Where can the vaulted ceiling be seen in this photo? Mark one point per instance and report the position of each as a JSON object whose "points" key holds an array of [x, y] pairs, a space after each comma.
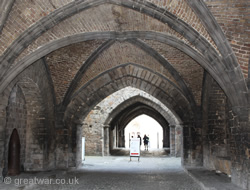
{"points": [[168, 44]]}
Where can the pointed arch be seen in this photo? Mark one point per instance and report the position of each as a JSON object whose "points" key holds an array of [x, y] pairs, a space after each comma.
{"points": [[224, 68]]}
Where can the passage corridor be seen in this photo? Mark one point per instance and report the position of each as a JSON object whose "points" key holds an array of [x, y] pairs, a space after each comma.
{"points": [[115, 173]]}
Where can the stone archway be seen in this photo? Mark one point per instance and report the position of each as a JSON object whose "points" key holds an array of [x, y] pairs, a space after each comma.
{"points": [[16, 120], [126, 115], [25, 112], [14, 154], [97, 122], [106, 84]]}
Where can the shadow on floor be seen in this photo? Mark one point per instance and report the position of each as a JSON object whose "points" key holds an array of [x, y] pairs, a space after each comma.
{"points": [[210, 179]]}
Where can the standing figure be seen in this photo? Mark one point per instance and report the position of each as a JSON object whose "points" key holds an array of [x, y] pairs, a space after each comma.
{"points": [[145, 141], [140, 140]]}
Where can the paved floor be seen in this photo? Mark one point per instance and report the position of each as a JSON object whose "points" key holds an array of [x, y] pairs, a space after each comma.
{"points": [[211, 180], [111, 173], [119, 173]]}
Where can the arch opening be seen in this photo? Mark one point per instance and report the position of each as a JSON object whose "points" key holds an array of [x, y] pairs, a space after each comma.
{"points": [[16, 123], [118, 136], [145, 125], [25, 113], [98, 126], [14, 154]]}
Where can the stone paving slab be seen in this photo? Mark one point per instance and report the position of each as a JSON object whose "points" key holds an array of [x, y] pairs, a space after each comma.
{"points": [[210, 180]]}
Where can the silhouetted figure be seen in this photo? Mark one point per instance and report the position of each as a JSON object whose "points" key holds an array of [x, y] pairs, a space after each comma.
{"points": [[140, 139], [4, 173], [145, 141]]}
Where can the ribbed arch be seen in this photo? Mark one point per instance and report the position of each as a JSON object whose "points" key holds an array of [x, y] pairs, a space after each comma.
{"points": [[226, 69], [120, 77]]}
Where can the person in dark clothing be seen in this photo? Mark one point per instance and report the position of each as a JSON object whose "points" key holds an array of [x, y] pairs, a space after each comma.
{"points": [[145, 141], [140, 139]]}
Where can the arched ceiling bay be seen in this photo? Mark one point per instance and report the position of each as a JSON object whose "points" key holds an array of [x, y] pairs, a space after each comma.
{"points": [[123, 76], [65, 63], [135, 110], [127, 97], [46, 23], [24, 14], [120, 52], [106, 17]]}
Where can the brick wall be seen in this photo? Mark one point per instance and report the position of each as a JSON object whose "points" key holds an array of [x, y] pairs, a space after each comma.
{"points": [[233, 17], [122, 53], [65, 63], [225, 137], [25, 13], [181, 9], [188, 68], [216, 131]]}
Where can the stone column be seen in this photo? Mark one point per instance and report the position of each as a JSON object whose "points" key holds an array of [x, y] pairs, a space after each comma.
{"points": [[172, 140], [79, 145], [2, 145], [114, 132], [116, 136], [166, 137], [123, 138], [178, 140], [106, 140], [119, 138]]}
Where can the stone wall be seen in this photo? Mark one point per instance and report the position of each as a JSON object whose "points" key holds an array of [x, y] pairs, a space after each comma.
{"points": [[225, 136], [16, 119], [38, 126], [239, 149], [216, 131]]}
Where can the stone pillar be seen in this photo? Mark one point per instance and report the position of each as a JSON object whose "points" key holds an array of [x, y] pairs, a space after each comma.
{"points": [[178, 140], [187, 146], [3, 161], [116, 137], [172, 140], [114, 132], [123, 138], [111, 139], [119, 138], [166, 143], [79, 145], [106, 140]]}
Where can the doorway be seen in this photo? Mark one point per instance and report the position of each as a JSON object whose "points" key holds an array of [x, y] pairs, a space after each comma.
{"points": [[14, 154]]}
